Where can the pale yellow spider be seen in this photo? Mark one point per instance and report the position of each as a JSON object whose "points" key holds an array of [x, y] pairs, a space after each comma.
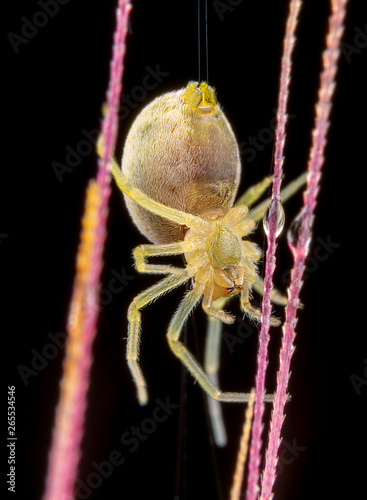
{"points": [[180, 174]]}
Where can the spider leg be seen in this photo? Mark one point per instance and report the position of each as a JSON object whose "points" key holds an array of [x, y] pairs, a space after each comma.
{"points": [[211, 366], [253, 193], [171, 214], [252, 311], [275, 295], [180, 350], [212, 359], [141, 252], [134, 317], [257, 213], [213, 311]]}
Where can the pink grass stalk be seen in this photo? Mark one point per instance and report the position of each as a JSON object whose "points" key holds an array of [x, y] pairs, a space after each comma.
{"points": [[302, 238], [288, 45], [69, 422], [242, 452]]}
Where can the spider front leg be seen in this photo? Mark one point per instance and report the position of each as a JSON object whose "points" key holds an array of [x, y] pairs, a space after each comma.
{"points": [[134, 317], [141, 252], [254, 192], [275, 295], [213, 311], [258, 212], [252, 311], [190, 300]]}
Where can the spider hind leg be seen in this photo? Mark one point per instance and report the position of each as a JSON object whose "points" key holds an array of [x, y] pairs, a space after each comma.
{"points": [[134, 317], [188, 303]]}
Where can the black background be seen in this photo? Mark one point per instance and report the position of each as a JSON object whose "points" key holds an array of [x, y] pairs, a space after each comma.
{"points": [[56, 86]]}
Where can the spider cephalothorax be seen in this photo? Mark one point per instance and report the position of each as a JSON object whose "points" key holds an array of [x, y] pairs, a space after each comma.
{"points": [[180, 173], [223, 263]]}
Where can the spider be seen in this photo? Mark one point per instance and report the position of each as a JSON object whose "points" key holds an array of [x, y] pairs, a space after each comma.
{"points": [[180, 173]]}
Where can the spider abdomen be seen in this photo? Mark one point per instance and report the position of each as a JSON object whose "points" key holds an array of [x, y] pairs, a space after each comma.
{"points": [[181, 151]]}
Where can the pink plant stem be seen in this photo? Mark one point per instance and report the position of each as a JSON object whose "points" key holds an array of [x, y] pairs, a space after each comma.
{"points": [[301, 243], [288, 45], [69, 422]]}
